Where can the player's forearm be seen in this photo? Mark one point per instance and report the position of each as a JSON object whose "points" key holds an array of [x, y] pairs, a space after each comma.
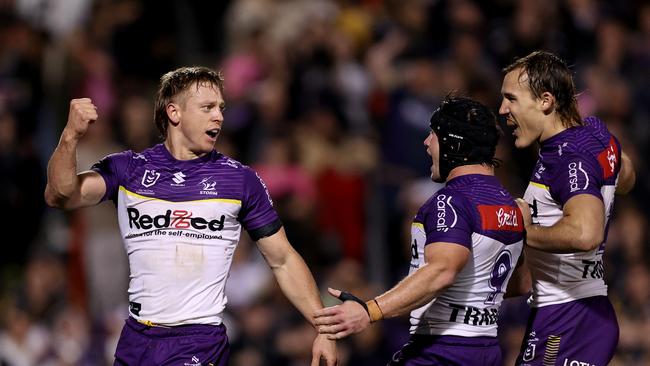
{"points": [[563, 237], [626, 177], [298, 285], [62, 181], [416, 290]]}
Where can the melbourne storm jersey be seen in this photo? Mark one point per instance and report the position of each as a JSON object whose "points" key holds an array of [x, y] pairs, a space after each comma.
{"points": [[180, 222], [474, 211], [579, 160]]}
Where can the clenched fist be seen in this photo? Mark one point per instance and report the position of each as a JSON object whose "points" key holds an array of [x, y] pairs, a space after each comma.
{"points": [[82, 113]]}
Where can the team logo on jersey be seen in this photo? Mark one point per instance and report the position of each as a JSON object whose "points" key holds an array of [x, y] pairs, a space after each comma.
{"points": [[209, 186], [559, 148], [150, 178], [574, 169], [443, 202], [179, 179]]}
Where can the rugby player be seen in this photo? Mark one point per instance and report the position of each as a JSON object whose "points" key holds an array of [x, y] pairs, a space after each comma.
{"points": [[181, 206], [465, 241], [567, 208]]}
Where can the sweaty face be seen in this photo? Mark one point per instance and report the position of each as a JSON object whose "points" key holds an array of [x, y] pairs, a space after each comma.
{"points": [[522, 110], [200, 118], [433, 149]]}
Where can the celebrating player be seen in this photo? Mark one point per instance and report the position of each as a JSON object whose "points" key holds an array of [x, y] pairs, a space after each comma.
{"points": [[570, 195], [181, 206], [466, 242]]}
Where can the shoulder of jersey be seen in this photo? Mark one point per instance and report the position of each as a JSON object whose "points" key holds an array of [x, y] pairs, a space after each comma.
{"points": [[580, 140], [444, 194], [595, 129]]}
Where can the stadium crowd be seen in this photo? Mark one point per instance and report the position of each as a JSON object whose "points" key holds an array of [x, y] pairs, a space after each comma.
{"points": [[330, 102]]}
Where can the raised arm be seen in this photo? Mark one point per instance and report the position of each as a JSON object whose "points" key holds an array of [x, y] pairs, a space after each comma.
{"points": [[627, 175], [65, 188], [298, 285], [443, 262]]}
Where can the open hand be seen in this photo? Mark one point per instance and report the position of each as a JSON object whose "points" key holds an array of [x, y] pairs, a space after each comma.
{"points": [[339, 321]]}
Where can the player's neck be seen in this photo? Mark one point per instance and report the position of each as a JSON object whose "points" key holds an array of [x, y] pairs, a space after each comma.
{"points": [[470, 169], [179, 150], [552, 126]]}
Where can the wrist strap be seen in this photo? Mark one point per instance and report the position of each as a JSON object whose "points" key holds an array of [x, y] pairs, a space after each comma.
{"points": [[346, 296], [374, 311]]}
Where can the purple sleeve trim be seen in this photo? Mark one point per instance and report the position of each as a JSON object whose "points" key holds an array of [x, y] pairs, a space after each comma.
{"points": [[112, 168]]}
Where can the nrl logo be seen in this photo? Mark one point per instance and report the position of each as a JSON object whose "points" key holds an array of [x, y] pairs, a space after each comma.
{"points": [[150, 178]]}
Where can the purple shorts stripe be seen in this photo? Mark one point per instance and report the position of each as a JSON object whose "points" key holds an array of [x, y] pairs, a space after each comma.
{"points": [[581, 332], [186, 345], [426, 350]]}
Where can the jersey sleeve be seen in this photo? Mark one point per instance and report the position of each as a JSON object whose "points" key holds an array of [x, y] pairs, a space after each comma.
{"points": [[112, 168], [447, 219], [257, 215], [576, 174]]}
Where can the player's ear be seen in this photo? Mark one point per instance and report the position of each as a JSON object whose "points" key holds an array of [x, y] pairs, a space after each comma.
{"points": [[547, 102], [173, 111]]}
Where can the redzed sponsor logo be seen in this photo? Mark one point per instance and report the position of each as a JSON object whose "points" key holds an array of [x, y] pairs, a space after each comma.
{"points": [[503, 218], [608, 159], [178, 219]]}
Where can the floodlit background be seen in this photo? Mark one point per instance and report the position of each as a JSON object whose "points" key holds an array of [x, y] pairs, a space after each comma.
{"points": [[330, 102]]}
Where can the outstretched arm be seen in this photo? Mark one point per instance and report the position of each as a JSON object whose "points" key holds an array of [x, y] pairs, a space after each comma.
{"points": [[443, 262], [297, 283], [65, 188]]}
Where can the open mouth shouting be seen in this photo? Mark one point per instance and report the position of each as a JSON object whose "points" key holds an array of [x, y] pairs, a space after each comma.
{"points": [[213, 133], [510, 122]]}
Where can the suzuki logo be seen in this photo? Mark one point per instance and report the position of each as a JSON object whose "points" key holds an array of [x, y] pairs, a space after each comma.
{"points": [[179, 178], [149, 178]]}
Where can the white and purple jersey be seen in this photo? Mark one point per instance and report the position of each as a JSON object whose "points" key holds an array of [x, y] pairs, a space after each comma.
{"points": [[579, 160], [180, 222], [474, 211]]}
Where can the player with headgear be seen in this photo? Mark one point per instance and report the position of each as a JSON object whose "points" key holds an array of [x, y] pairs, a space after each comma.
{"points": [[466, 241]]}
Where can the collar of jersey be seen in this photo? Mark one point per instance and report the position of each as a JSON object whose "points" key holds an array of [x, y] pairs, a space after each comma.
{"points": [[168, 157], [465, 178]]}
